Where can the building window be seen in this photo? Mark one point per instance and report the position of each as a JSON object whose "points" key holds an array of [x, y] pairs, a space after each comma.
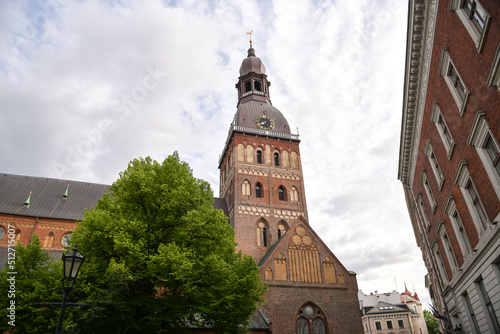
{"points": [[294, 194], [245, 188], [248, 86], [378, 325], [2, 232], [481, 137], [443, 130], [455, 83], [259, 156], [258, 86], [458, 226], [282, 228], [494, 76], [469, 191], [470, 312], [450, 254], [475, 19], [389, 324], [276, 159], [258, 190], [439, 260], [429, 152], [428, 191], [19, 234], [66, 239], [48, 242], [281, 193], [311, 320], [401, 324], [425, 217], [491, 316], [262, 234]]}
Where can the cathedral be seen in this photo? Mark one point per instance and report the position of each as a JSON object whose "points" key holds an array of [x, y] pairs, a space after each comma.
{"points": [[262, 193]]}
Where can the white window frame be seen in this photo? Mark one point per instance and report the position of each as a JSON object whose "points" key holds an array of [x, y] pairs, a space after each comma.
{"points": [[464, 180], [438, 119], [478, 137], [420, 204], [494, 76], [440, 263], [438, 173], [478, 36], [445, 65], [428, 191], [450, 254], [458, 226]]}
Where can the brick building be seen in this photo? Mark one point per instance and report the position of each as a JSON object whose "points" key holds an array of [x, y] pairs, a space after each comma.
{"points": [[261, 191], [449, 155]]}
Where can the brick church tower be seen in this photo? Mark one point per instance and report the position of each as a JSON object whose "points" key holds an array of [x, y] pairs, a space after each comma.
{"points": [[261, 179]]}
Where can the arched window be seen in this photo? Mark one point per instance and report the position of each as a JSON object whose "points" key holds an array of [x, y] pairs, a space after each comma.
{"points": [[258, 190], [294, 194], [259, 156], [18, 235], [48, 242], [258, 86], [262, 233], [282, 228], [311, 320], [276, 159], [281, 193], [245, 188], [248, 86], [302, 326], [2, 232]]}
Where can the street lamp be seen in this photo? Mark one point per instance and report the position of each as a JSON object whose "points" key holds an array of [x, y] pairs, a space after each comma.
{"points": [[71, 266]]}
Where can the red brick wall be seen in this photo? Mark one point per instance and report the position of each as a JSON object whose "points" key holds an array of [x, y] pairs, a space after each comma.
{"points": [[39, 226], [473, 68]]}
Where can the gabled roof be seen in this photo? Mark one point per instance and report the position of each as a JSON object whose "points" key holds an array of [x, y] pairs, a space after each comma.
{"points": [[384, 307], [46, 199]]}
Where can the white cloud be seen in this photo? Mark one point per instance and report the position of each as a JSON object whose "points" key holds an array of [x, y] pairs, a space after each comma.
{"points": [[80, 99]]}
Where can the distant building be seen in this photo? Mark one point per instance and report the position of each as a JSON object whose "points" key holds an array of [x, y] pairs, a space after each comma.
{"points": [[449, 160], [392, 312]]}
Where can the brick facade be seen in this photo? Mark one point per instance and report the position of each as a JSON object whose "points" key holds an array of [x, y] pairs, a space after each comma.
{"points": [[443, 40]]}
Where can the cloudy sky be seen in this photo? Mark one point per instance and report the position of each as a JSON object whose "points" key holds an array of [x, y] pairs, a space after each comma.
{"points": [[86, 86]]}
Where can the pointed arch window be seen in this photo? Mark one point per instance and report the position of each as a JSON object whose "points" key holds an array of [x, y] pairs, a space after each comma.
{"points": [[294, 194], [259, 156], [19, 234], [311, 320], [276, 159], [258, 190], [48, 242], [245, 188], [262, 233], [248, 86], [282, 193], [282, 228]]}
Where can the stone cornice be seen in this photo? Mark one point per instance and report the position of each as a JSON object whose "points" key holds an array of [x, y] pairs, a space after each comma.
{"points": [[420, 37]]}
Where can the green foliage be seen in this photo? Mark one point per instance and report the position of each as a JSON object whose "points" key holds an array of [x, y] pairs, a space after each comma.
{"points": [[37, 280], [431, 322], [159, 258]]}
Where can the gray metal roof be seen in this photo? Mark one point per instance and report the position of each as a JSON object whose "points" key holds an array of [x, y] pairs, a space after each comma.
{"points": [[384, 307], [249, 111], [46, 198]]}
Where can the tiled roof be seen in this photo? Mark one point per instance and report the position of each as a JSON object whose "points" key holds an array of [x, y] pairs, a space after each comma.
{"points": [[46, 198]]}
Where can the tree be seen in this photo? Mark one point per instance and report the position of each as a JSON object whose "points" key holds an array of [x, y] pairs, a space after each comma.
{"points": [[36, 280], [160, 259], [431, 322]]}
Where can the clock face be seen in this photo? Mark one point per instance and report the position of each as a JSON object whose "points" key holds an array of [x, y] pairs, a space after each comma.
{"points": [[264, 122]]}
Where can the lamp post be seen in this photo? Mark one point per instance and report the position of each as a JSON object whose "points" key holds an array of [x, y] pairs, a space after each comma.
{"points": [[71, 266]]}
